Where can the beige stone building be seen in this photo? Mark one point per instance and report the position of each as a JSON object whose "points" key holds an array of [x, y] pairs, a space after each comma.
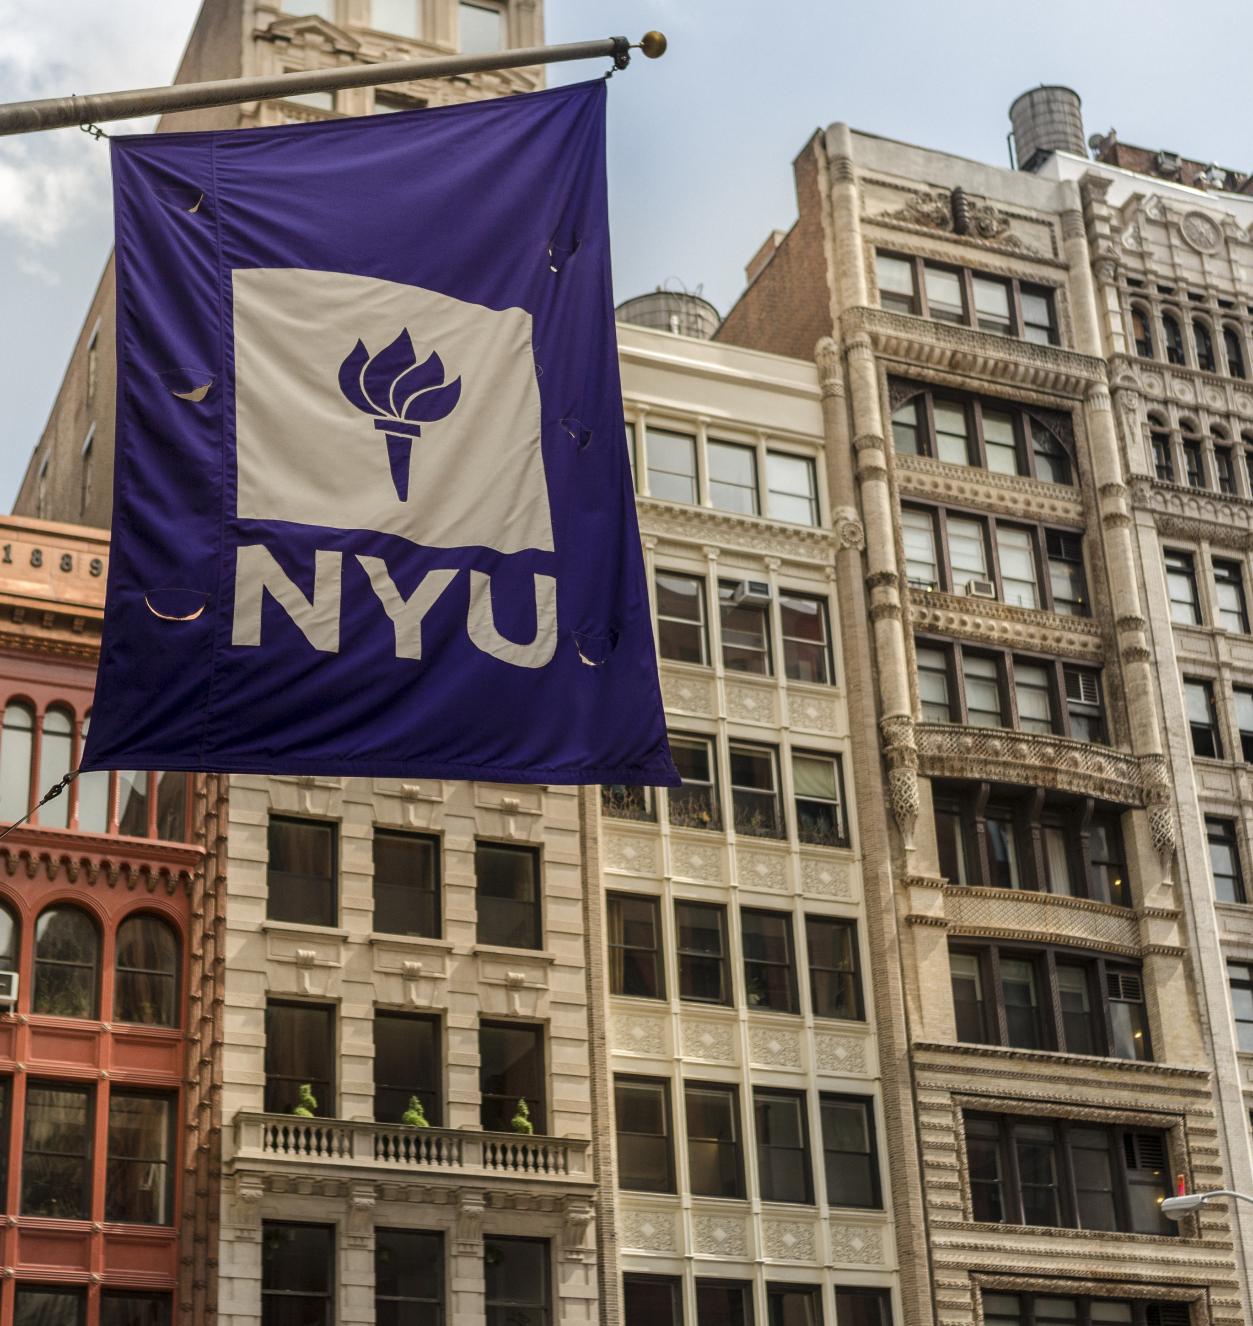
{"points": [[1016, 780]]}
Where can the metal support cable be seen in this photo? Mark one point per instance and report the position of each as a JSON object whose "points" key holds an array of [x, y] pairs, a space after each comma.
{"points": [[22, 117]]}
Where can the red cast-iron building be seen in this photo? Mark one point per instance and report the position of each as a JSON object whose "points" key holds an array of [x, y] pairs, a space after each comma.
{"points": [[108, 1134]]}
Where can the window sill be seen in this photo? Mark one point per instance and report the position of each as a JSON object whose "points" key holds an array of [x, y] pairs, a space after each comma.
{"points": [[409, 941], [302, 928], [503, 951], [1053, 1057], [1068, 1231]]}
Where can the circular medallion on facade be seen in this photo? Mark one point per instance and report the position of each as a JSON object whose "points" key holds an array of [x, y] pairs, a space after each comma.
{"points": [[1182, 391], [1199, 231], [1244, 404], [1214, 398]]}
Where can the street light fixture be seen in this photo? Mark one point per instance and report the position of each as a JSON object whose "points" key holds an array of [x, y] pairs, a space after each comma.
{"points": [[1175, 1208]]}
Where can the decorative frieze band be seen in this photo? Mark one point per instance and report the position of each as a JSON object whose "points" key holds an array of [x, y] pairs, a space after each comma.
{"points": [[986, 619]]}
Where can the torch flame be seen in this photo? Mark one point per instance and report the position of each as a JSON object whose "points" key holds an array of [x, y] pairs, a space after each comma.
{"points": [[394, 385]]}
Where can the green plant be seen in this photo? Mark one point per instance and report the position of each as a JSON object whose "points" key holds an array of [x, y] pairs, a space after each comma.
{"points": [[306, 1106], [415, 1115], [521, 1121]]}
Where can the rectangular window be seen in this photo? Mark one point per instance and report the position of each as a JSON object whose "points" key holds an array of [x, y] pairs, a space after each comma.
{"points": [[702, 948], [745, 632], [1240, 976], [806, 639], [1033, 690], [952, 432], [406, 884], [129, 1307], [517, 1275], [408, 1277], [6, 1100], [782, 1147], [934, 691], [511, 1071], [1003, 872], [681, 631], [301, 875], [1193, 464], [403, 17], [671, 465], [858, 1305], [139, 1184], [918, 533], [950, 837], [407, 1061], [793, 1305], [1107, 862], [49, 1305], [967, 552], [1052, 462], [848, 1146], [695, 804], [1224, 470], [909, 428], [1233, 613], [732, 477], [628, 801], [299, 1055], [1021, 998], [1224, 860], [634, 930], [1084, 715], [769, 963], [714, 1154], [834, 981], [984, 705], [1000, 442], [1244, 721], [755, 792], [1202, 718], [793, 488], [482, 28], [87, 473], [966, 974], [508, 895], [656, 1299], [1129, 1023], [818, 785], [641, 1107], [1163, 465], [992, 311], [1039, 323], [1067, 583], [724, 1303], [945, 302], [1074, 994], [1185, 605], [297, 1274], [895, 279], [1015, 552], [56, 1152]]}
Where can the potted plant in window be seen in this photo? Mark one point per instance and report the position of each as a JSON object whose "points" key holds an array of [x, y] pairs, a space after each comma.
{"points": [[306, 1106], [521, 1121], [415, 1115]]}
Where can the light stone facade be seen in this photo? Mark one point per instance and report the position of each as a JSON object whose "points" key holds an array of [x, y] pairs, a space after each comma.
{"points": [[714, 392], [860, 195]]}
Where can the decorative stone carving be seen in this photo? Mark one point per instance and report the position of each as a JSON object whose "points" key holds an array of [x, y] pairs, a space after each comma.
{"points": [[827, 879], [751, 704], [471, 1208], [761, 870], [687, 694], [897, 731], [696, 861], [924, 476], [578, 1213], [714, 1041], [815, 713], [1003, 624], [856, 1244], [788, 1240], [827, 358], [648, 1231], [631, 853], [958, 213], [361, 1215], [842, 1055], [771, 1047], [1046, 917], [700, 525], [636, 1033], [1200, 232], [721, 1236], [849, 531]]}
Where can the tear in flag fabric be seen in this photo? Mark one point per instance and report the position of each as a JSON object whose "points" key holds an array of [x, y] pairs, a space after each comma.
{"points": [[373, 512]]}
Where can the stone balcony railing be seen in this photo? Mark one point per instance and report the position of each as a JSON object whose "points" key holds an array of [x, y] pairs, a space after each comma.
{"points": [[396, 1148], [1002, 755]]}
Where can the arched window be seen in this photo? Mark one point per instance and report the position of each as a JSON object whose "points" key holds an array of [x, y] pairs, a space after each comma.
{"points": [[1174, 339], [1233, 344], [93, 796], [16, 739], [1224, 460], [1159, 437], [1141, 331], [146, 988], [8, 940], [67, 959], [1204, 343], [1193, 458], [56, 752]]}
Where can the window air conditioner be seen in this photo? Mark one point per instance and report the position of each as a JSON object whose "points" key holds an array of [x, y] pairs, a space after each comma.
{"points": [[981, 589], [8, 987], [752, 594]]}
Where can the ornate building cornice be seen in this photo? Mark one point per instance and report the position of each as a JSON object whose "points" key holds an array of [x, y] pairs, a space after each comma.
{"points": [[700, 525], [923, 476], [1195, 514], [1000, 623]]}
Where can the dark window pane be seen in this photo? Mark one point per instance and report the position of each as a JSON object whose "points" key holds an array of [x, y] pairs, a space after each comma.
{"points": [[172, 807], [406, 884], [987, 1174], [745, 633], [1036, 1148], [713, 1140], [299, 1051], [848, 1145], [1094, 1178], [694, 805], [125, 1307], [511, 1069], [834, 984], [516, 1271], [645, 1150], [754, 792], [653, 1299], [634, 930], [1022, 1003], [968, 1004], [782, 1147], [806, 639], [817, 782], [1185, 606], [1078, 1025], [56, 1152], [301, 875], [724, 1303], [297, 1274], [793, 1305], [508, 895], [39, 1305], [67, 953], [139, 1186], [146, 987], [702, 948], [681, 618], [408, 1277], [406, 1066], [769, 964], [858, 1306], [1224, 857]]}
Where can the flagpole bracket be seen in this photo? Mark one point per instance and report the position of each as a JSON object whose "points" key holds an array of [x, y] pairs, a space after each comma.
{"points": [[621, 52]]}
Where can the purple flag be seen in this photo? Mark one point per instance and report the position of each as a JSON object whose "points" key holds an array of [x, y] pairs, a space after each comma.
{"points": [[373, 511]]}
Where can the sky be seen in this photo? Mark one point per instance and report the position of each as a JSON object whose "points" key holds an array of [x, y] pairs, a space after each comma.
{"points": [[700, 143]]}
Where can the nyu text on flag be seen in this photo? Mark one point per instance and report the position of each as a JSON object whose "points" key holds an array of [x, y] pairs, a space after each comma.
{"points": [[373, 512]]}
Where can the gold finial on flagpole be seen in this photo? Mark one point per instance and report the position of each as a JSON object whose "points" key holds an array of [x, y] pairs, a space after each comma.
{"points": [[653, 44]]}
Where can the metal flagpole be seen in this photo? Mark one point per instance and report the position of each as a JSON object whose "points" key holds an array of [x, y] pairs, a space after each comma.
{"points": [[22, 117]]}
